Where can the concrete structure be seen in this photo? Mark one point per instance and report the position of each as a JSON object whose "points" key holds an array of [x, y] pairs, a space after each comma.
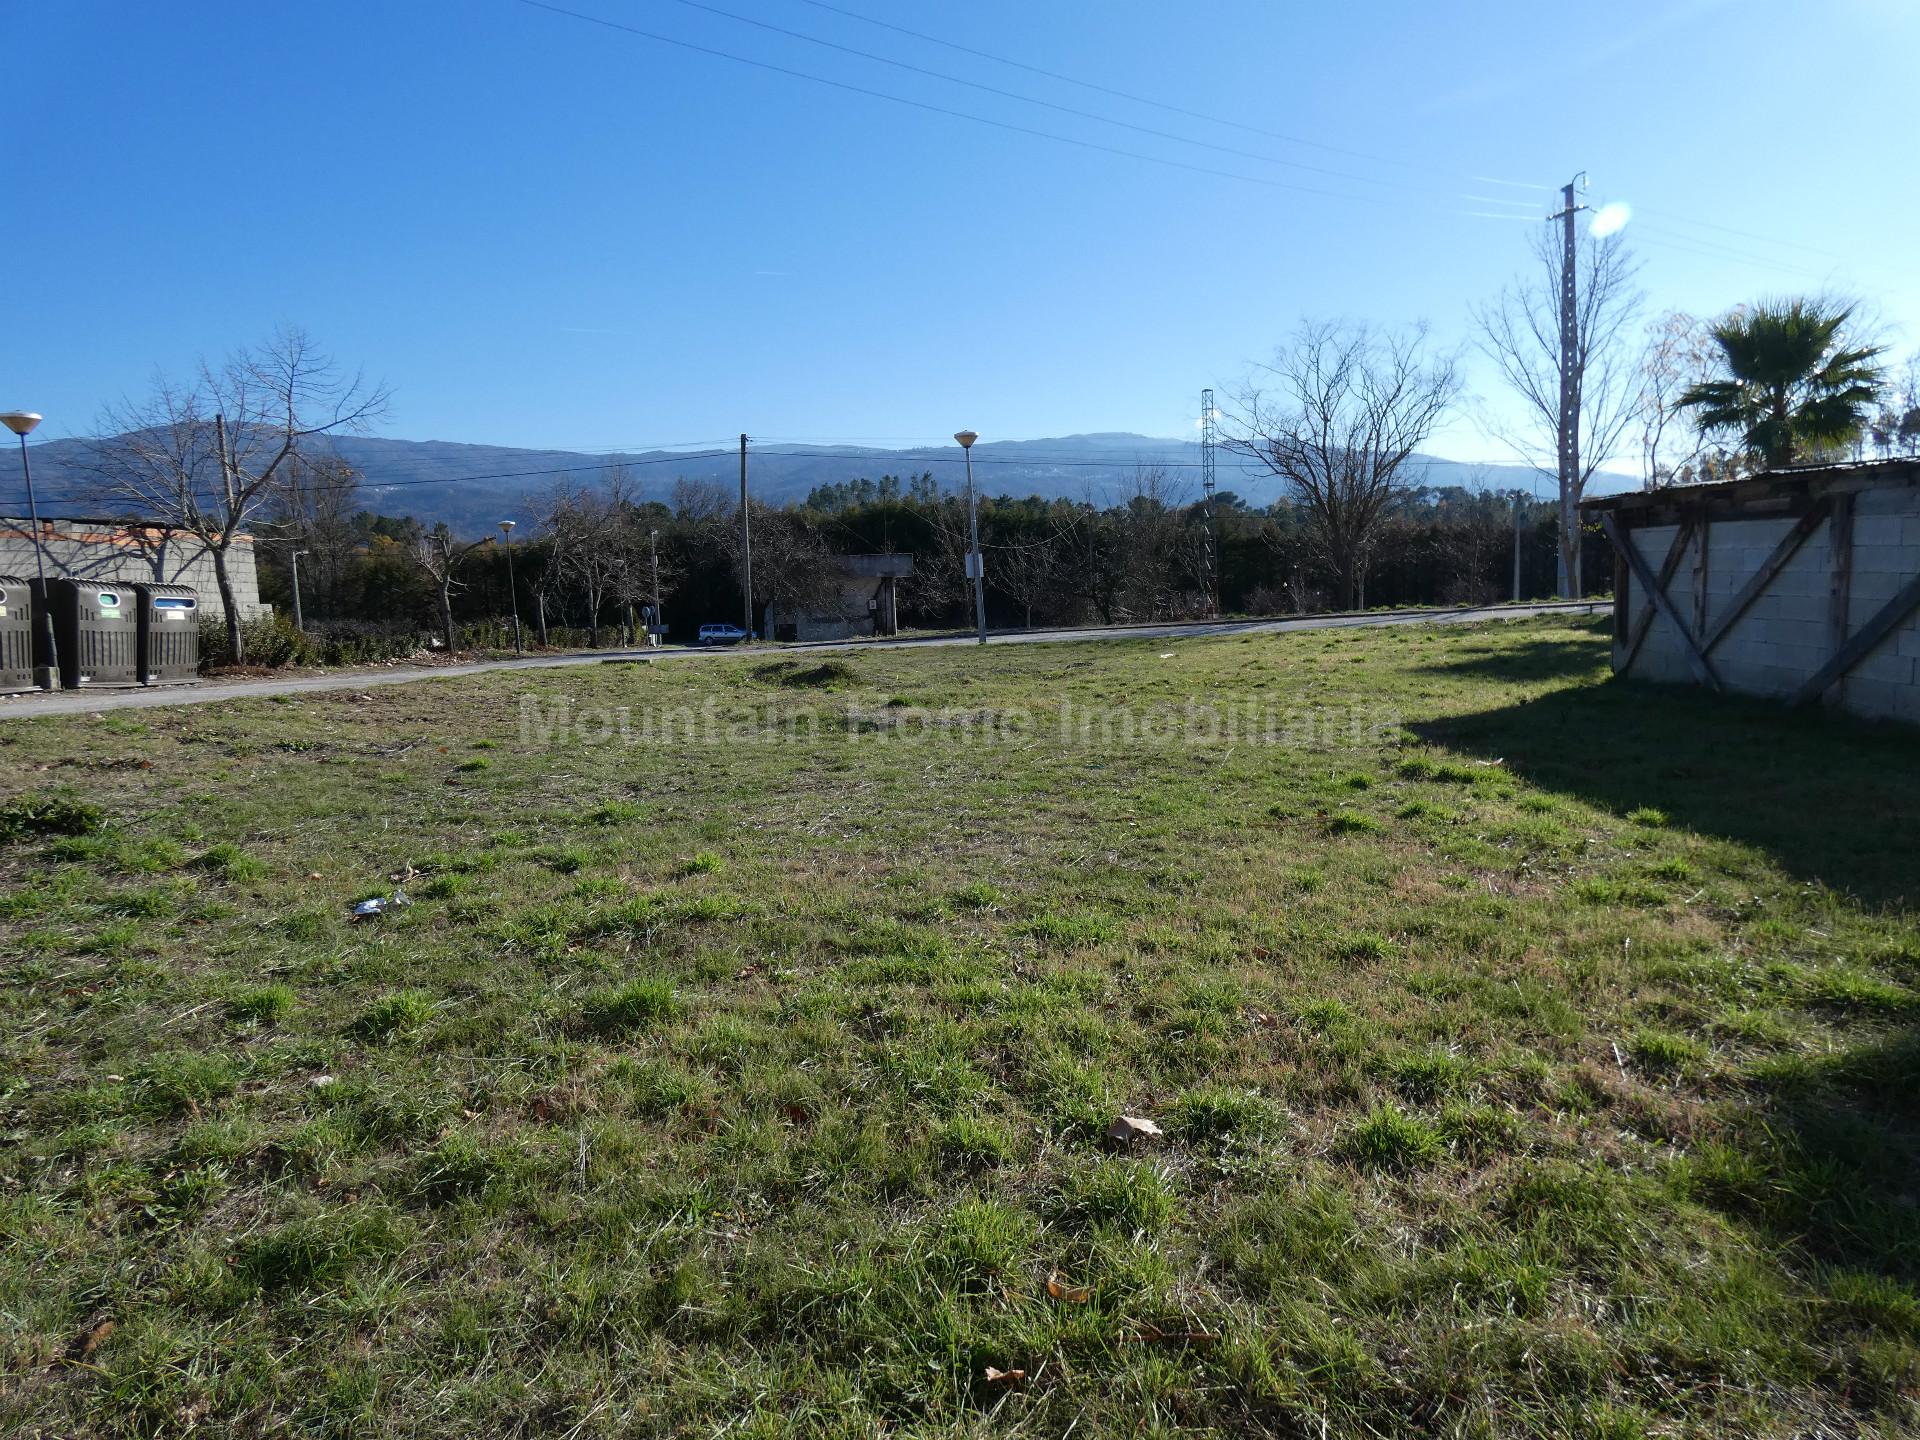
{"points": [[116, 550], [1803, 584], [861, 603]]}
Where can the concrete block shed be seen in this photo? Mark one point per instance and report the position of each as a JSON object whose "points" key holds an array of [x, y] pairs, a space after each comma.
{"points": [[1801, 584]]}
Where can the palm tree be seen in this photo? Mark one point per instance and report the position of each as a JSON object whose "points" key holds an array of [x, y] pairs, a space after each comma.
{"points": [[1792, 382]]}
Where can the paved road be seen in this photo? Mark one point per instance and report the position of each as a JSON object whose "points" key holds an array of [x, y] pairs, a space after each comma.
{"points": [[86, 702]]}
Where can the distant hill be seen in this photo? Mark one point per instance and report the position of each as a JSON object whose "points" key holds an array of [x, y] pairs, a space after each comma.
{"points": [[472, 487]]}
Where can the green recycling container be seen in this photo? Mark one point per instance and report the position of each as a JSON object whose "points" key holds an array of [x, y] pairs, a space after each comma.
{"points": [[93, 630], [167, 634], [16, 636]]}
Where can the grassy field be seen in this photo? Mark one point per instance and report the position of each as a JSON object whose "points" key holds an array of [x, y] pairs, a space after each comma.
{"points": [[1534, 1054]]}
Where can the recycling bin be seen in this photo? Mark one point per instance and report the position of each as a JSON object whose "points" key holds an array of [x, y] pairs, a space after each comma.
{"points": [[166, 634], [16, 636], [93, 631]]}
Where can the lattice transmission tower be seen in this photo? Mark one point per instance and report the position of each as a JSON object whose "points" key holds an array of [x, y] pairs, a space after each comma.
{"points": [[1212, 563]]}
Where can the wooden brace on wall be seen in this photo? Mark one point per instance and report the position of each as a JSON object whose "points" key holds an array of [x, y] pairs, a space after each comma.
{"points": [[1848, 650]]}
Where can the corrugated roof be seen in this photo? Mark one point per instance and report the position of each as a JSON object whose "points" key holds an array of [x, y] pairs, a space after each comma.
{"points": [[1787, 483]]}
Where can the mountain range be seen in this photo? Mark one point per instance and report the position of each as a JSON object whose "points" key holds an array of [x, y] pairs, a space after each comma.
{"points": [[472, 487]]}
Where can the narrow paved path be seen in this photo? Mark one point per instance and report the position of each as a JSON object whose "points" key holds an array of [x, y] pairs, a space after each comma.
{"points": [[86, 702]]}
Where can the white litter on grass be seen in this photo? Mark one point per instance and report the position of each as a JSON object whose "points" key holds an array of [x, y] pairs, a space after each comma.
{"points": [[379, 905], [1133, 1127]]}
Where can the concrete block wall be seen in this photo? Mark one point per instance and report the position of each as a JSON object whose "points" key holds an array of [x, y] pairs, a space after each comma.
{"points": [[1784, 636], [1886, 556], [100, 551]]}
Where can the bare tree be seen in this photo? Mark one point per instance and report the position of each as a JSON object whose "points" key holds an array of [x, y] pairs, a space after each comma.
{"points": [[1155, 558], [440, 555], [1336, 417], [1520, 333], [1028, 575], [702, 502], [1896, 426], [793, 568], [940, 579], [208, 458], [1679, 355], [313, 513], [596, 541]]}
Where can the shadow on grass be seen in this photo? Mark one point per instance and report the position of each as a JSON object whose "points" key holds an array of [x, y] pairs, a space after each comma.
{"points": [[1832, 799], [1828, 1158], [1541, 658], [1824, 1154], [1820, 1153]]}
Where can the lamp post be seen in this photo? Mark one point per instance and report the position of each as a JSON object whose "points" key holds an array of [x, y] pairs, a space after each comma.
{"points": [[299, 619], [974, 566], [513, 597], [47, 677]]}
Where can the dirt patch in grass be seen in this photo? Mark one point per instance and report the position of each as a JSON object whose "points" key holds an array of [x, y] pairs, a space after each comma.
{"points": [[807, 675]]}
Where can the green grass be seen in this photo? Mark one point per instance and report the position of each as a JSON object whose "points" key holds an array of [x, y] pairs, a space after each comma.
{"points": [[1533, 1055]]}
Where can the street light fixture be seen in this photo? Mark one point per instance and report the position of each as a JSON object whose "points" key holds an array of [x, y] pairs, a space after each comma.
{"points": [[974, 566], [47, 677], [513, 597], [299, 619]]}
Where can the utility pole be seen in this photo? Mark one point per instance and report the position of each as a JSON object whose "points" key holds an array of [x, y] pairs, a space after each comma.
{"points": [[746, 542], [1570, 379], [299, 620], [1206, 489], [513, 593], [653, 549], [1518, 502]]}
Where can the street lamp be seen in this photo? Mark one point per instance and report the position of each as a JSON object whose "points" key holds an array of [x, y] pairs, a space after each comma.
{"points": [[47, 677], [513, 598], [974, 566], [299, 620]]}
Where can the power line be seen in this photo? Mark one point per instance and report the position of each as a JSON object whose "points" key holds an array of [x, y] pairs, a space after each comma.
{"points": [[1742, 234], [1031, 100], [556, 470], [948, 111], [1096, 146], [1254, 129], [67, 493], [1050, 462], [1126, 95], [1714, 250]]}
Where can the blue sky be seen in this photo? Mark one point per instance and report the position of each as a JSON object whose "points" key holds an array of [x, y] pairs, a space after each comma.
{"points": [[541, 231]]}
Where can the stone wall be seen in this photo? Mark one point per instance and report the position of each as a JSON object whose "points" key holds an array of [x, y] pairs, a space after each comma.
{"points": [[1786, 635], [101, 550]]}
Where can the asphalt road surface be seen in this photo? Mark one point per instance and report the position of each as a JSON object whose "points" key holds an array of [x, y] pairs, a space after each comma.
{"points": [[86, 702]]}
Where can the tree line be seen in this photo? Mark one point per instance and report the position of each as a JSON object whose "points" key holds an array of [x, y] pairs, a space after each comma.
{"points": [[585, 574], [1337, 418]]}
